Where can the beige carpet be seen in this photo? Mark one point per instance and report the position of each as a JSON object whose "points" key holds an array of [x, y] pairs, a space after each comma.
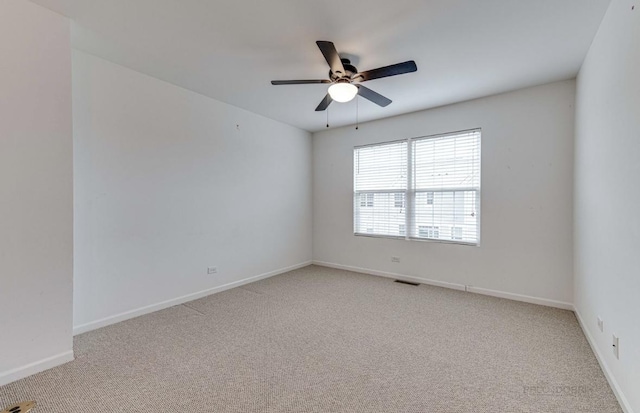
{"points": [[323, 340]]}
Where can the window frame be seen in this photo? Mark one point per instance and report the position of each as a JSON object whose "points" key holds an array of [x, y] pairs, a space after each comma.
{"points": [[410, 192]]}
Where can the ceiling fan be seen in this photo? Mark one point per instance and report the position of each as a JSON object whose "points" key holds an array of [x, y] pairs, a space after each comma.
{"points": [[345, 79]]}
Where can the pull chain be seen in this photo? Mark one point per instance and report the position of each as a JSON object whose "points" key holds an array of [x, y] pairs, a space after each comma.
{"points": [[357, 124], [327, 117]]}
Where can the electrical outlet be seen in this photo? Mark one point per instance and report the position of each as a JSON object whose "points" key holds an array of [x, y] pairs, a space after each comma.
{"points": [[616, 346], [395, 259], [212, 270], [600, 324]]}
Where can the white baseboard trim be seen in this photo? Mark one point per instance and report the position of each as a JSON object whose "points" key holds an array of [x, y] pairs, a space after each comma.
{"points": [[454, 286], [520, 297], [403, 277], [94, 325], [613, 383], [10, 376]]}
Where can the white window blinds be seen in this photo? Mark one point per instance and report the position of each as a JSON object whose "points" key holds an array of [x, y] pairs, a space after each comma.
{"points": [[422, 188], [381, 186]]}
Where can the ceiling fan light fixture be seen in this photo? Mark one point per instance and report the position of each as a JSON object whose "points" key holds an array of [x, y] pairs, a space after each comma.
{"points": [[343, 92], [341, 75]]}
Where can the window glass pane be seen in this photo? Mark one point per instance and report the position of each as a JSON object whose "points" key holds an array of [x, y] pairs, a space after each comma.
{"points": [[447, 162], [399, 200], [446, 180], [428, 231], [381, 216], [381, 167], [454, 213], [380, 182]]}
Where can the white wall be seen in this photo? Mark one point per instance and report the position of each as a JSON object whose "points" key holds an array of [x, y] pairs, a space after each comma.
{"points": [[527, 166], [36, 215], [607, 196], [166, 185]]}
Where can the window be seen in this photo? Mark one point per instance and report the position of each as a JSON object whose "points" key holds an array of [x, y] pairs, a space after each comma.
{"points": [[424, 188], [380, 174]]}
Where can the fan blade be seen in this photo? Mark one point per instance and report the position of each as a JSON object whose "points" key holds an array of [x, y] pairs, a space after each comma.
{"points": [[299, 82], [331, 55], [375, 97], [393, 70], [324, 104]]}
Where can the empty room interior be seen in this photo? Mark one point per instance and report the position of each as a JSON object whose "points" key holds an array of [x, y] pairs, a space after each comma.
{"points": [[294, 206]]}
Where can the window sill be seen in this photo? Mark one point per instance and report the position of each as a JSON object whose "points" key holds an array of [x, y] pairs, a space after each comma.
{"points": [[430, 240]]}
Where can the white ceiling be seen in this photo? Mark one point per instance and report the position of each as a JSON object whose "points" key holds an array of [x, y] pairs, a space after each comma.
{"points": [[230, 49]]}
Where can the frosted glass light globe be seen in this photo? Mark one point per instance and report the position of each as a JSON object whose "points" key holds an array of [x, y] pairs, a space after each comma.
{"points": [[342, 92]]}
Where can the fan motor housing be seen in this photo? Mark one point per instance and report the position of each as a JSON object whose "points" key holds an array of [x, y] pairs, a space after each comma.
{"points": [[349, 69]]}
